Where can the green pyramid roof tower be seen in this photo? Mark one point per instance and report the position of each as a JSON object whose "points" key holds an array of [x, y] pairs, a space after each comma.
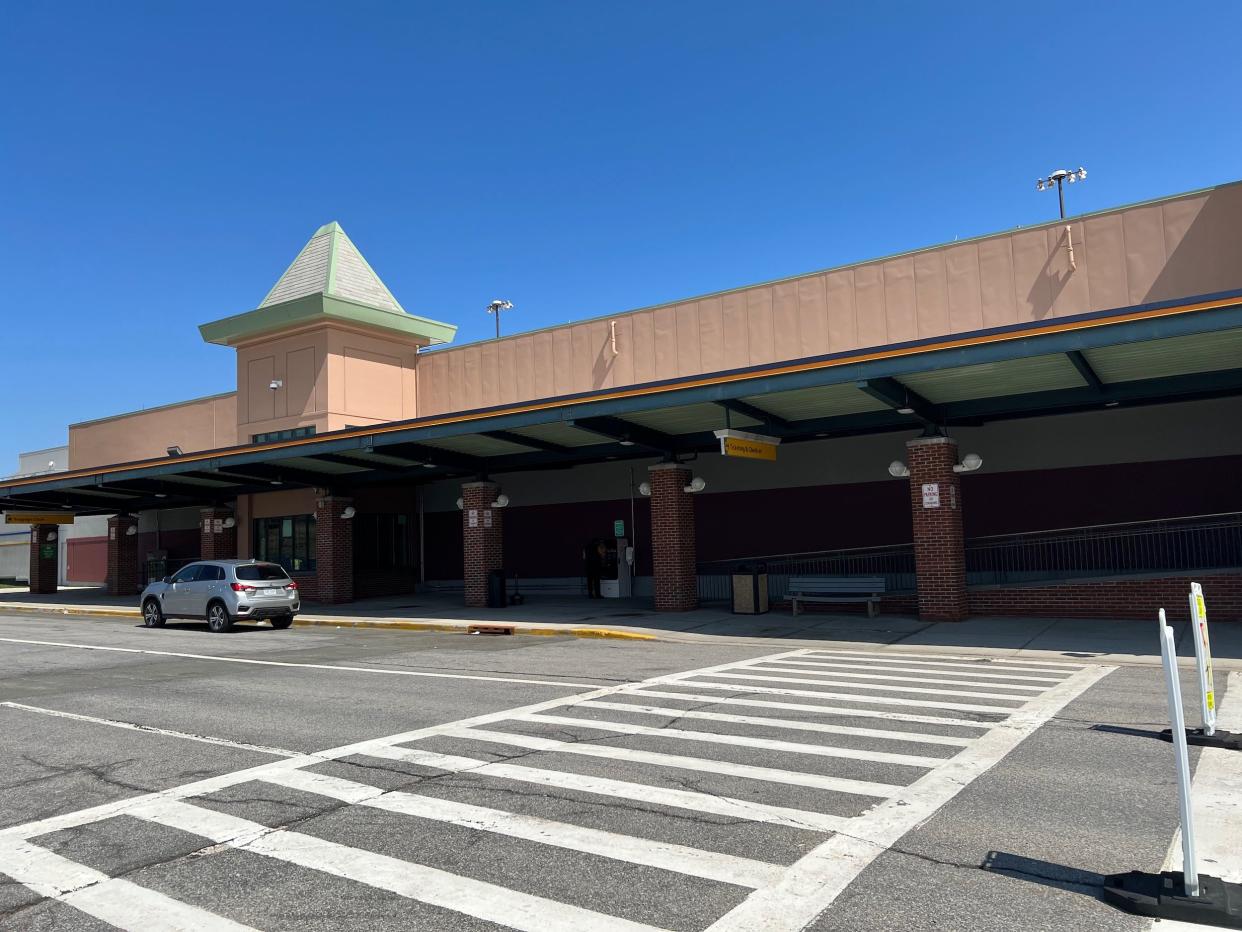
{"points": [[328, 279]]}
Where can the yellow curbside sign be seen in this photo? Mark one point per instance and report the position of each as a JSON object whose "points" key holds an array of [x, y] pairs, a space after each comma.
{"points": [[746, 445], [38, 517]]}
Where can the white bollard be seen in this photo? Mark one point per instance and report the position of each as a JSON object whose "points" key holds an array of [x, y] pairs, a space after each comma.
{"points": [[1203, 658], [1168, 658]]}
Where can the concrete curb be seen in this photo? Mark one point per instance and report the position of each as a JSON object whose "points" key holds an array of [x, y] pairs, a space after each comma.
{"points": [[452, 627]]}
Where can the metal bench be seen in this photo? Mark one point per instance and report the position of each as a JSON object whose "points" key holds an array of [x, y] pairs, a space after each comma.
{"points": [[866, 589]]}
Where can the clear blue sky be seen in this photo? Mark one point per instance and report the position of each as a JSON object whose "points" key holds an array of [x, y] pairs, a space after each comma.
{"points": [[161, 163]]}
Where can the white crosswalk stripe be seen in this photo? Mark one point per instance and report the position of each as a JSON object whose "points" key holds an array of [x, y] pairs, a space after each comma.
{"points": [[711, 865], [775, 718]]}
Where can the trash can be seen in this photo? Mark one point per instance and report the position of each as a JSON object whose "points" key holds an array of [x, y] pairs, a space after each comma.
{"points": [[496, 589], [750, 590]]}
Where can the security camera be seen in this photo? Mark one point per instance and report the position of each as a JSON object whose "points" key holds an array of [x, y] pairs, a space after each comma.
{"points": [[275, 384]]}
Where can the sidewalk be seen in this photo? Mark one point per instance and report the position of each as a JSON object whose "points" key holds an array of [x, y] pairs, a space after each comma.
{"points": [[634, 619]]}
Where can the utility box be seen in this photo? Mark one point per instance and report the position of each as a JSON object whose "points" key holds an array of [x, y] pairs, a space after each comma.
{"points": [[750, 590], [616, 574], [496, 597]]}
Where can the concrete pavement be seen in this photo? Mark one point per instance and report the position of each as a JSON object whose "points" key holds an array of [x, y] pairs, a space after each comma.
{"points": [[315, 779]]}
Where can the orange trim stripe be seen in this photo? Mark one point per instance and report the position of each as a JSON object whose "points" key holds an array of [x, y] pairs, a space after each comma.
{"points": [[639, 392]]}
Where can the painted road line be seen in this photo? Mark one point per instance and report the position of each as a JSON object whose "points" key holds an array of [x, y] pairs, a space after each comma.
{"points": [[940, 681], [779, 723], [813, 883], [152, 730], [214, 784], [767, 744], [677, 761], [430, 885], [965, 694], [955, 660], [890, 668], [694, 862], [306, 666], [120, 903], [621, 789], [838, 697], [829, 710]]}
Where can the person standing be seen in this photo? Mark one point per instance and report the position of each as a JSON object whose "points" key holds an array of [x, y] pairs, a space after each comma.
{"points": [[593, 564]]}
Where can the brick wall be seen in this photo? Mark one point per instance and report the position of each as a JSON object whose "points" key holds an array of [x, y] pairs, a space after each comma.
{"points": [[1135, 597], [939, 554], [43, 558], [217, 542], [334, 552], [482, 531], [123, 575], [673, 550]]}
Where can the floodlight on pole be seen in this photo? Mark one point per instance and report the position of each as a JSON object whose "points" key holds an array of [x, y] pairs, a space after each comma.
{"points": [[495, 308], [1059, 177]]}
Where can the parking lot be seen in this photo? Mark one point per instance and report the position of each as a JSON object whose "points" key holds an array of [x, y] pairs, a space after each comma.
{"points": [[314, 778]]}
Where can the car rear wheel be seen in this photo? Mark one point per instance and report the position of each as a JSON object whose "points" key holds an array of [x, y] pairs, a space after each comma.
{"points": [[218, 619], [282, 621], [152, 614]]}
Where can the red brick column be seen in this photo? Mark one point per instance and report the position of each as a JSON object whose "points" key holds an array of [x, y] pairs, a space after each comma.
{"points": [[123, 575], [334, 551], [939, 553], [216, 539], [43, 557], [482, 534], [672, 539]]}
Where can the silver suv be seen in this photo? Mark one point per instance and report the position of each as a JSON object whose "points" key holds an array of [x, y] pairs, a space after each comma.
{"points": [[222, 592]]}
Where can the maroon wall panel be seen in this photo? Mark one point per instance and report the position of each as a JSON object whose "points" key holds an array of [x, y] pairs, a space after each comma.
{"points": [[88, 559]]}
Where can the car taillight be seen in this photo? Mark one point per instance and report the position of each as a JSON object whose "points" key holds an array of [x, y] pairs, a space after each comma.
{"points": [[241, 587], [291, 585]]}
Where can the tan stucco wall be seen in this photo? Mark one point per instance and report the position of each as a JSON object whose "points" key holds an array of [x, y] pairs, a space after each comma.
{"points": [[1173, 249], [200, 424], [333, 377]]}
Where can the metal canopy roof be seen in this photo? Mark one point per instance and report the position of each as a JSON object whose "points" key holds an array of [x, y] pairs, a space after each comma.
{"points": [[1135, 356]]}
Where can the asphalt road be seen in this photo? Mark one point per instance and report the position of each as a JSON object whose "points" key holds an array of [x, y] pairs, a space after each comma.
{"points": [[327, 779]]}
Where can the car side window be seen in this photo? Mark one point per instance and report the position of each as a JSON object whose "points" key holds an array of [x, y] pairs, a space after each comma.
{"points": [[187, 574], [212, 574]]}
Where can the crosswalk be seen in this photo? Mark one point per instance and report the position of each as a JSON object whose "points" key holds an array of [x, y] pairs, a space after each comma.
{"points": [[736, 797]]}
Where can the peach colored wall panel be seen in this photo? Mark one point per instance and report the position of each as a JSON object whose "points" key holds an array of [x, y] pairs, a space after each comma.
{"points": [[711, 335], [812, 316], [759, 304], [1068, 286], [489, 374], [688, 356], [1180, 248], [965, 300], [996, 283], [869, 305], [623, 365], [301, 376], [1107, 272], [931, 294], [842, 315], [278, 505], [665, 323], [260, 399], [1032, 297], [786, 339], [372, 384], [644, 347], [1143, 235], [506, 372], [900, 302], [735, 331], [201, 424]]}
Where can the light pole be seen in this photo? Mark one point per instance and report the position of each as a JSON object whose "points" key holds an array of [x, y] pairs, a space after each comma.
{"points": [[495, 308], [1060, 176]]}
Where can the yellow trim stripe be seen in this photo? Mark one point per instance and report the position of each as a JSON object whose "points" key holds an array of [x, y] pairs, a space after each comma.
{"points": [[724, 379]]}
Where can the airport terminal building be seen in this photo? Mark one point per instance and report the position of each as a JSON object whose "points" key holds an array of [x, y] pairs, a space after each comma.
{"points": [[1044, 421]]}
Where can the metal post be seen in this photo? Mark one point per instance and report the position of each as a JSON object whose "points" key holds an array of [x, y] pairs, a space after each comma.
{"points": [[1203, 658], [1168, 658], [1061, 197]]}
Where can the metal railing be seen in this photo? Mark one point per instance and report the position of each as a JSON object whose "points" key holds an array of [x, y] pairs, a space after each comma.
{"points": [[1200, 542]]}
